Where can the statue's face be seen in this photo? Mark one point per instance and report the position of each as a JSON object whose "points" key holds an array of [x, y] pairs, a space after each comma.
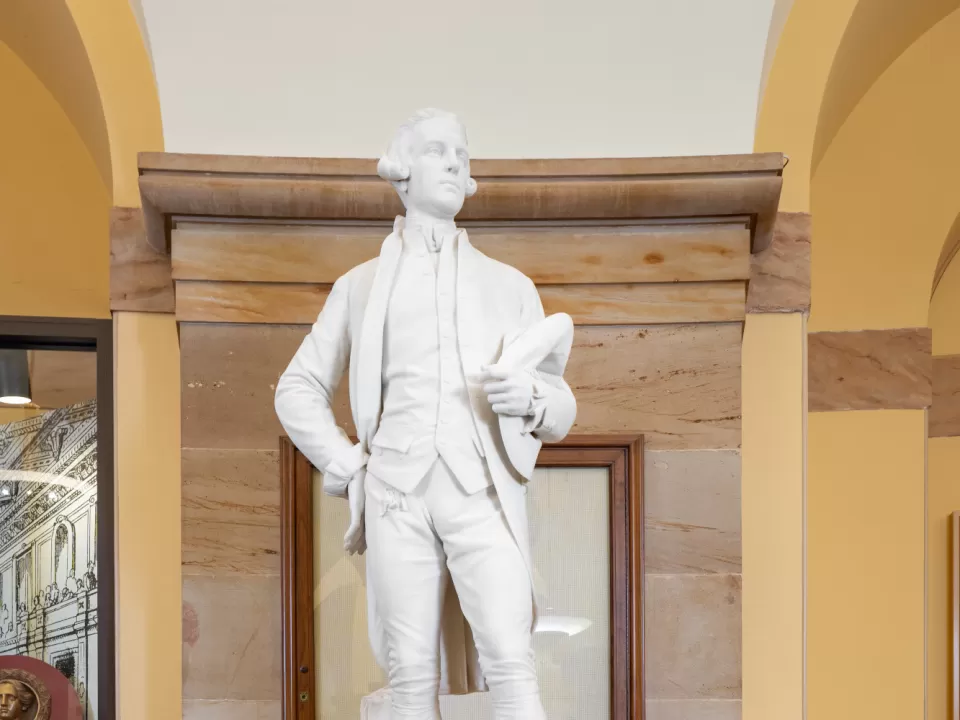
{"points": [[9, 702], [439, 168]]}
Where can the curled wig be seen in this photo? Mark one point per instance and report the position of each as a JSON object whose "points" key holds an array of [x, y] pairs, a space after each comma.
{"points": [[394, 166]]}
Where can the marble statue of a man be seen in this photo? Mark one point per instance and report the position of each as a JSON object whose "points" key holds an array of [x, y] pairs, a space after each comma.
{"points": [[433, 494]]}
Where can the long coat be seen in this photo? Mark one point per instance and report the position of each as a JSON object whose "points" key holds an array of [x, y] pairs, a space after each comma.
{"points": [[494, 302]]}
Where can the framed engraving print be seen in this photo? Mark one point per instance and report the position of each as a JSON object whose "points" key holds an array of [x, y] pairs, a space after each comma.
{"points": [[585, 507], [57, 549]]}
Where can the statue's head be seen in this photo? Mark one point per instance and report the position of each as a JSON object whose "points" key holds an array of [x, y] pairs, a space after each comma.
{"points": [[429, 165], [15, 699]]}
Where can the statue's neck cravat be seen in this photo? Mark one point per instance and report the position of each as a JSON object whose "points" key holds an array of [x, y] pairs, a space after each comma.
{"points": [[433, 232]]}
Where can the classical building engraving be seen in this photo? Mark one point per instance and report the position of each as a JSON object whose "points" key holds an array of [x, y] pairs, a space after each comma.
{"points": [[48, 530]]}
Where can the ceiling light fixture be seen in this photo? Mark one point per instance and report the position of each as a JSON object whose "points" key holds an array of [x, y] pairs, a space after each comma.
{"points": [[14, 377]]}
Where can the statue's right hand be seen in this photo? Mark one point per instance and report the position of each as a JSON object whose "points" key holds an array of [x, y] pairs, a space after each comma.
{"points": [[354, 542]]}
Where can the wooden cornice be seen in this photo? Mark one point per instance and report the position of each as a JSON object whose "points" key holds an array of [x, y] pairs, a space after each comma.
{"points": [[511, 191]]}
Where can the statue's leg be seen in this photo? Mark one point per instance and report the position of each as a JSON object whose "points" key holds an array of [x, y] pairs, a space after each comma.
{"points": [[409, 576], [493, 584]]}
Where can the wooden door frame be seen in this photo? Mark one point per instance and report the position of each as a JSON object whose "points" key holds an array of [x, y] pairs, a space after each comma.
{"points": [[955, 615], [622, 455]]}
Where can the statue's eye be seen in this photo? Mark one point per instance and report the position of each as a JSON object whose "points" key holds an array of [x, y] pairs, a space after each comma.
{"points": [[434, 150]]}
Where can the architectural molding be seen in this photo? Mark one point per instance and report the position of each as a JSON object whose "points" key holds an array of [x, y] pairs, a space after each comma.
{"points": [[255, 239], [780, 275], [558, 191], [140, 276]]}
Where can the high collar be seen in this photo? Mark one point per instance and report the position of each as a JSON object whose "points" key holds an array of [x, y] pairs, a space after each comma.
{"points": [[423, 234], [429, 225]]}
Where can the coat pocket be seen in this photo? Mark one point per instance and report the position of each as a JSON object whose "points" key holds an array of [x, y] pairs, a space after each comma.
{"points": [[393, 437]]}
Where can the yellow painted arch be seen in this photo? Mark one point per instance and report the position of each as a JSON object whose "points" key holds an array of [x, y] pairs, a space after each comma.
{"points": [[877, 34], [887, 192], [31, 30], [126, 85], [82, 103], [859, 99], [830, 52], [862, 98], [91, 57]]}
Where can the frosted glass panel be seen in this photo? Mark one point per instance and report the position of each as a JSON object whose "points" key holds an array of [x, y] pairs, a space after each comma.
{"points": [[346, 669], [569, 518]]}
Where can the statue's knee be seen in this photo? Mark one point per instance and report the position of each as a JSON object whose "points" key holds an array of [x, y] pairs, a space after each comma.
{"points": [[508, 658], [414, 673]]}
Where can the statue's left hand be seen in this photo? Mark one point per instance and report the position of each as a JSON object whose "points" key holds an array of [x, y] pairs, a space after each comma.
{"points": [[509, 391]]}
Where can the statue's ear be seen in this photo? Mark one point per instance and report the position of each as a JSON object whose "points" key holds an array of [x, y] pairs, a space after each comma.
{"points": [[471, 187]]}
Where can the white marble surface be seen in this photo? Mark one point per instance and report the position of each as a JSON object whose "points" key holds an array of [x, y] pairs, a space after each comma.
{"points": [[436, 399]]}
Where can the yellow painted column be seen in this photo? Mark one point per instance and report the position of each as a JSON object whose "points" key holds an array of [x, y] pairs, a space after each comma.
{"points": [[148, 504], [943, 499], [774, 411], [866, 536]]}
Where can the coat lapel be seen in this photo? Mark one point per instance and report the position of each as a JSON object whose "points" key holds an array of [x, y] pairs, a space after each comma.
{"points": [[370, 360], [470, 318]]}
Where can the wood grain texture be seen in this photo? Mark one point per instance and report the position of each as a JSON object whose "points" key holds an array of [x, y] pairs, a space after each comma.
{"points": [[556, 191], [694, 632], [647, 304], [692, 511], [520, 199], [289, 557], [548, 255], [140, 279], [258, 165], [272, 303], [635, 304], [780, 275], [59, 378], [944, 416], [677, 385], [231, 638], [870, 370], [230, 512], [305, 600], [229, 375]]}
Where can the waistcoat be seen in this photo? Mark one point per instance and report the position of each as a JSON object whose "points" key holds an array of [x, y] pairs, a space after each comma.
{"points": [[426, 407]]}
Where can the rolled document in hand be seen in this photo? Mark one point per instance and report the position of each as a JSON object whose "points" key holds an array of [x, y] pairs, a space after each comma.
{"points": [[544, 348]]}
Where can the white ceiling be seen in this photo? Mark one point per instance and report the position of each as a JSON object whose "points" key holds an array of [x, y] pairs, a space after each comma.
{"points": [[531, 78]]}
